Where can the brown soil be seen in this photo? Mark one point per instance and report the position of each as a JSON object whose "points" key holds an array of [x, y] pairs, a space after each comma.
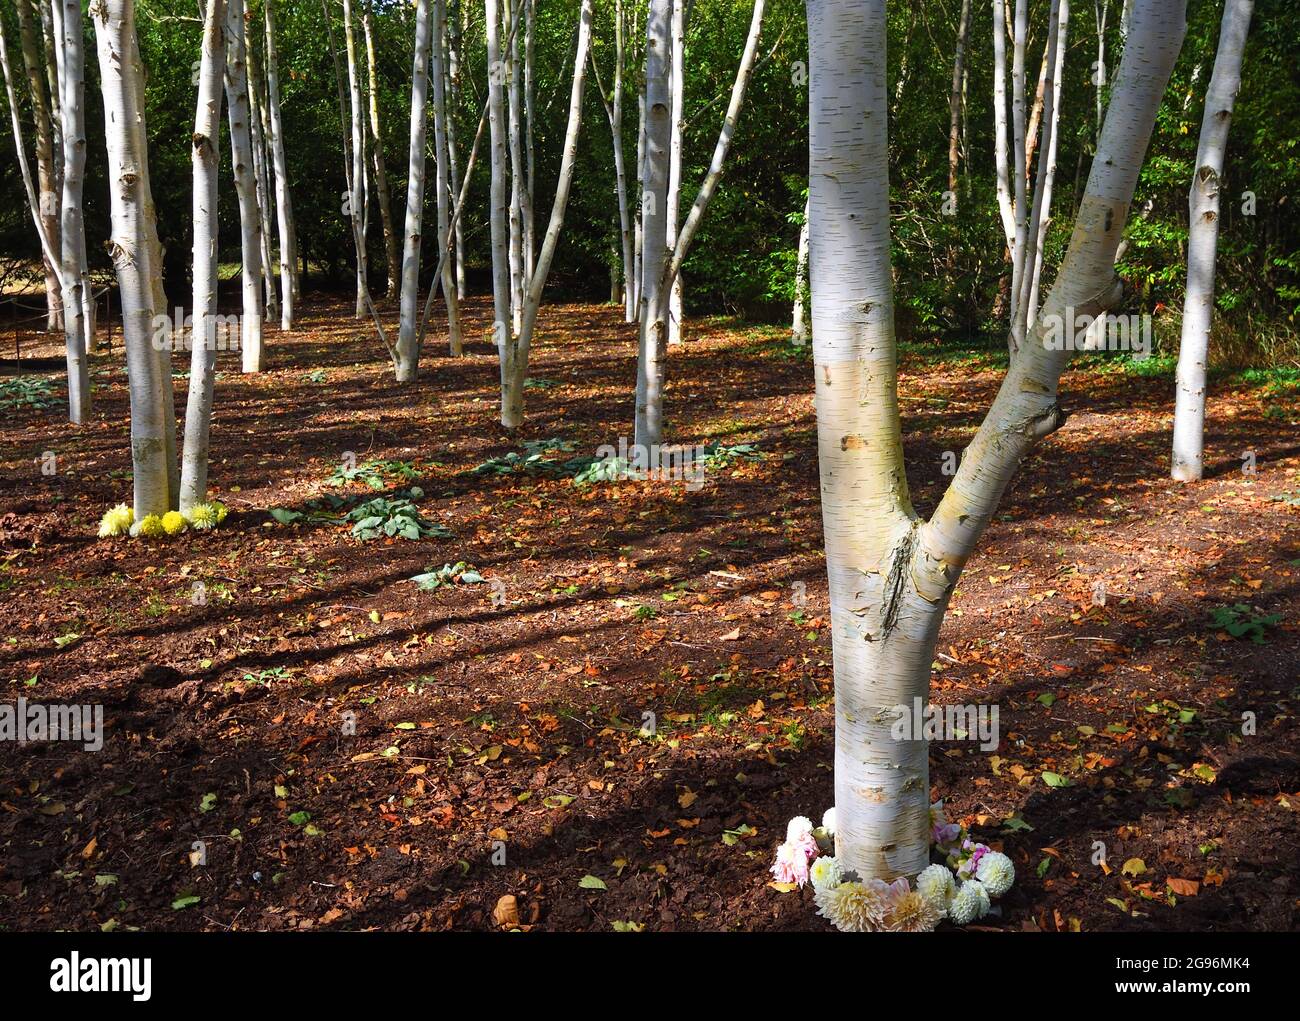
{"points": [[482, 728]]}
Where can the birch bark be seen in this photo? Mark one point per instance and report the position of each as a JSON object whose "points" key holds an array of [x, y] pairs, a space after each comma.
{"points": [[1203, 241]]}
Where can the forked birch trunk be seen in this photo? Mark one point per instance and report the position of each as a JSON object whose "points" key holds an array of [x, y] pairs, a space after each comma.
{"points": [[890, 573], [513, 396]]}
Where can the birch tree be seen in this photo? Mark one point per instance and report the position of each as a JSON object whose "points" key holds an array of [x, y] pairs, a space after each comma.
{"points": [[799, 320], [1203, 242], [35, 63], [241, 156], [613, 104], [662, 260], [677, 79], [440, 120], [261, 174], [407, 336], [954, 100], [289, 275], [134, 254], [891, 573], [78, 385], [498, 212], [514, 360], [357, 178], [204, 341], [78, 297], [377, 158]]}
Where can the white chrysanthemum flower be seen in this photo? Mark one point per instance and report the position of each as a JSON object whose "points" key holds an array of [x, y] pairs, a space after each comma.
{"points": [[799, 829], [914, 912], [855, 907], [826, 873], [996, 873], [828, 820], [981, 891], [936, 884], [965, 905], [116, 521]]}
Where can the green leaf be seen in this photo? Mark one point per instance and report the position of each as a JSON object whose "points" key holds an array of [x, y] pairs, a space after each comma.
{"points": [[1056, 780], [590, 882], [208, 803], [300, 818], [1047, 699], [181, 903]]}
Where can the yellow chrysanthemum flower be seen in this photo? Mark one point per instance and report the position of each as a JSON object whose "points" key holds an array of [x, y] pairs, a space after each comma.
{"points": [[151, 527], [173, 522], [116, 521]]}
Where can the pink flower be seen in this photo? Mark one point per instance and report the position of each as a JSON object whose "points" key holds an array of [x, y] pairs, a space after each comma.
{"points": [[970, 864], [806, 843], [791, 865]]}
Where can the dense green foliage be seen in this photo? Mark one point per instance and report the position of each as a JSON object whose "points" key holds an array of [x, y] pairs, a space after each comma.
{"points": [[949, 268]]}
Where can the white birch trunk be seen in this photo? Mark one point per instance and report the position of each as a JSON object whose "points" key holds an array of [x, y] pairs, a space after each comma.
{"points": [[78, 298], [48, 250], [678, 80], [204, 341], [36, 65], [241, 154], [891, 574], [638, 234], [261, 174], [392, 259], [289, 275], [134, 252], [954, 100], [408, 355], [657, 282], [537, 283], [614, 113], [799, 326], [1203, 242], [1042, 216], [518, 193], [357, 190], [449, 294], [453, 153], [1006, 209], [653, 335], [502, 329]]}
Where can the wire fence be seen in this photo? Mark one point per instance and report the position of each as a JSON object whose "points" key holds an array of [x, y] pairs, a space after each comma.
{"points": [[43, 316]]}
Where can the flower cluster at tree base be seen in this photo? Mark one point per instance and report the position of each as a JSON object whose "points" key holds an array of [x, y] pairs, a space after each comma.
{"points": [[120, 520], [962, 889]]}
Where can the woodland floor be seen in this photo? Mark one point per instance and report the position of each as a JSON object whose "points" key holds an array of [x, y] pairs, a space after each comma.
{"points": [[520, 723]]}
